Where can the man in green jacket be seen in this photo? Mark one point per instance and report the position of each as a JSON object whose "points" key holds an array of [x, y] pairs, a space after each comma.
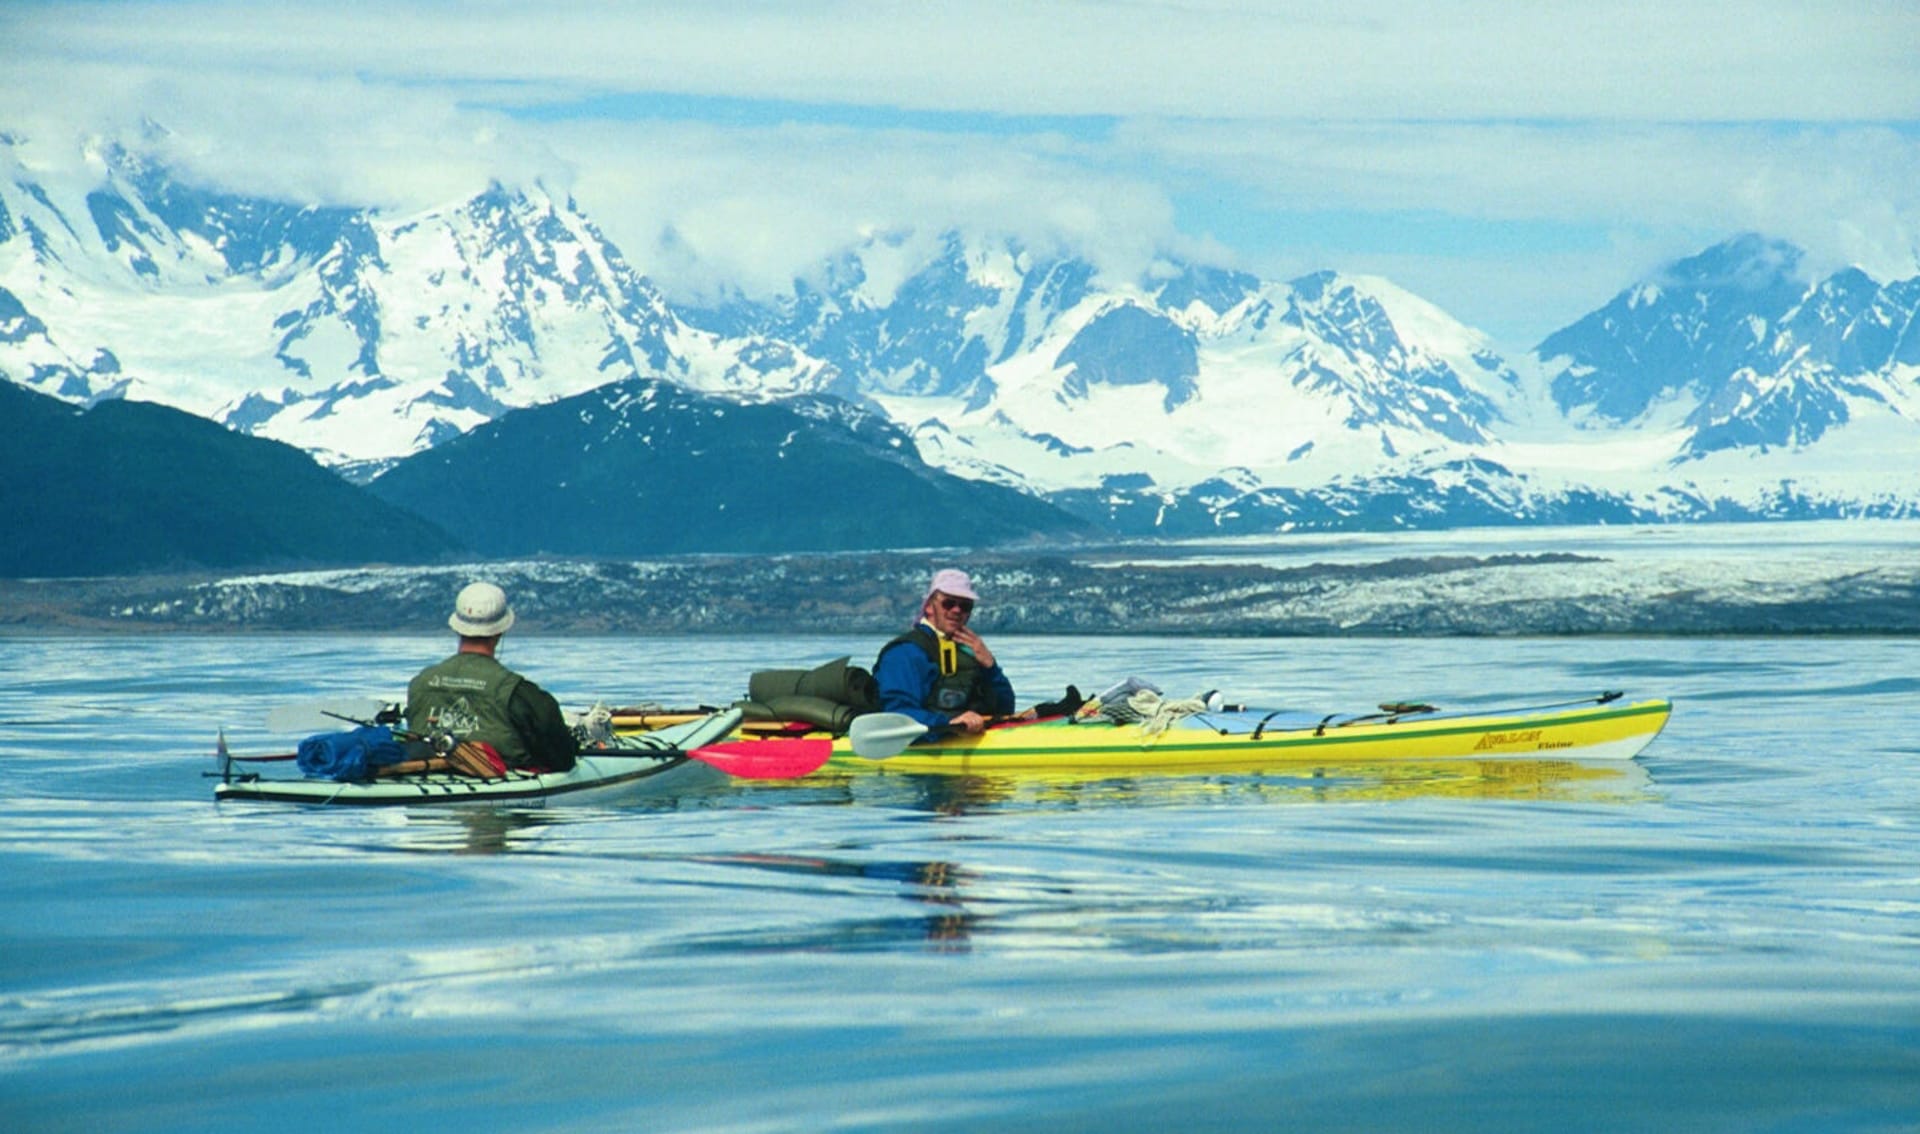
{"points": [[483, 703]]}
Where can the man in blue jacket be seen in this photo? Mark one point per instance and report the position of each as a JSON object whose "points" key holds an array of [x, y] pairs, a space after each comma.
{"points": [[941, 673]]}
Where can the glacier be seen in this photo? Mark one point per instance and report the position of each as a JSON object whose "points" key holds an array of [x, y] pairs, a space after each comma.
{"points": [[1831, 577]]}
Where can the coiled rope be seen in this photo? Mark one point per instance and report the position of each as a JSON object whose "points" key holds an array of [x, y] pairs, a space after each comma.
{"points": [[1154, 713]]}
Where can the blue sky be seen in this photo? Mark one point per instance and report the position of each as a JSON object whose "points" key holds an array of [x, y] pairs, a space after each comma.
{"points": [[1516, 164]]}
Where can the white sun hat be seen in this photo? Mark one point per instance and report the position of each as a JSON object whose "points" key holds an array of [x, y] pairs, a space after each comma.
{"points": [[481, 611]]}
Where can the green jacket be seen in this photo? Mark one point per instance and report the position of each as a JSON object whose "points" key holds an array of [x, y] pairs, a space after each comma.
{"points": [[474, 697]]}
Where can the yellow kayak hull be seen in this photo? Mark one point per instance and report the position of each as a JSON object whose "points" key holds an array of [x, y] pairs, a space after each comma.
{"points": [[1238, 742]]}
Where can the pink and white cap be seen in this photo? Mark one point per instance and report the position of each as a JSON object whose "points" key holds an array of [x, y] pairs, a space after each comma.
{"points": [[951, 582]]}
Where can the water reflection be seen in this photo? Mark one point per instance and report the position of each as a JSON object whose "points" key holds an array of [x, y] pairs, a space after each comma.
{"points": [[937, 887], [478, 829], [464, 831], [950, 795]]}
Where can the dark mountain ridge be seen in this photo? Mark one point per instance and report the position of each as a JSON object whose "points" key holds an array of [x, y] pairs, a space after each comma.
{"points": [[130, 487], [647, 467]]}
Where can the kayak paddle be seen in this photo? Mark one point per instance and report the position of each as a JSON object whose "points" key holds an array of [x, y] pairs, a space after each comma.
{"points": [[876, 736], [764, 759], [743, 759]]}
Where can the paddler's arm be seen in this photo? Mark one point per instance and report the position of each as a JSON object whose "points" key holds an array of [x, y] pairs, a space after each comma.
{"points": [[536, 716]]}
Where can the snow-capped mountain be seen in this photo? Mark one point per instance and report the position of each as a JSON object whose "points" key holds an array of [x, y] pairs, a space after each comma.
{"points": [[1756, 372], [1739, 316], [1034, 371], [357, 337], [1192, 399]]}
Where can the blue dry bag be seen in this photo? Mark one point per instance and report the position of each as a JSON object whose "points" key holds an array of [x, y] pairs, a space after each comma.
{"points": [[353, 755]]}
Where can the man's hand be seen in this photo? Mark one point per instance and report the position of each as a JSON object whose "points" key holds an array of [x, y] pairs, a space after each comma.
{"points": [[968, 722], [966, 637]]}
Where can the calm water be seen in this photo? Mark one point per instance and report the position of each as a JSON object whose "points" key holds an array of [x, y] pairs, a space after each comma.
{"points": [[1726, 939]]}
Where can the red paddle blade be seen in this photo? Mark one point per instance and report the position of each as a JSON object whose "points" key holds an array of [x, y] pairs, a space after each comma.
{"points": [[766, 759]]}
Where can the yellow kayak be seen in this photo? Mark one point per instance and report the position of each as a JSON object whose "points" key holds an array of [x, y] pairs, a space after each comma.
{"points": [[1595, 729]]}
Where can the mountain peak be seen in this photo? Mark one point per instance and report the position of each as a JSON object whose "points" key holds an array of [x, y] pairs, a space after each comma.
{"points": [[1737, 349], [1220, 290], [1748, 262], [1132, 345]]}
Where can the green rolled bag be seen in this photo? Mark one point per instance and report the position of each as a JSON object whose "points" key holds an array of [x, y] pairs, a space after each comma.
{"points": [[828, 695]]}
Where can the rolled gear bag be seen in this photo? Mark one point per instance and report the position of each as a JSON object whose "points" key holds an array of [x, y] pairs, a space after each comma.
{"points": [[817, 711], [828, 695], [834, 681], [351, 756]]}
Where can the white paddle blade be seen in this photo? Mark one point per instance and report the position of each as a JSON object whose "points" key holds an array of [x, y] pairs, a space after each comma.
{"points": [[876, 736], [324, 716]]}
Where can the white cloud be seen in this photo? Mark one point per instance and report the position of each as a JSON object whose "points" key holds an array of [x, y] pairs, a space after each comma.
{"points": [[1647, 60], [1847, 193], [762, 205], [1648, 127]]}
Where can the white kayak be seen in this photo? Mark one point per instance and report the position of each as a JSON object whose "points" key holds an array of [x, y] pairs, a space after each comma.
{"points": [[662, 762]]}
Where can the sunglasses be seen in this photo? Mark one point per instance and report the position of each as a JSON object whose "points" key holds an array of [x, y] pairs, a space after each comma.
{"points": [[964, 606]]}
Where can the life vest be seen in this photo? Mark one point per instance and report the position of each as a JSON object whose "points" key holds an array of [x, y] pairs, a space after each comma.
{"points": [[467, 695], [963, 682]]}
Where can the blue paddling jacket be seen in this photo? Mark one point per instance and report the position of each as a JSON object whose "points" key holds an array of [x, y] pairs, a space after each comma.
{"points": [[933, 679]]}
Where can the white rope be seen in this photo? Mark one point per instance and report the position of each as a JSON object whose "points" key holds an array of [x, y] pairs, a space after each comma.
{"points": [[1156, 714], [595, 725]]}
